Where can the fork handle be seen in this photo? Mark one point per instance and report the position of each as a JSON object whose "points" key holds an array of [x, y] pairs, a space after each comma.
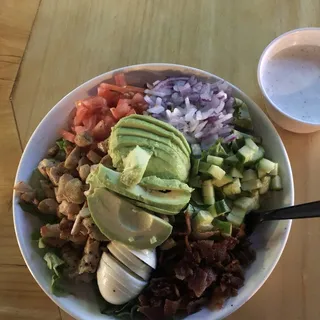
{"points": [[301, 211]]}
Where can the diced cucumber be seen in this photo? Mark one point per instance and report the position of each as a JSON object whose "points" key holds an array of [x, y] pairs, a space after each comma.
{"points": [[213, 211], [245, 203], [235, 220], [239, 135], [236, 216], [208, 192], [229, 203], [195, 182], [265, 165], [265, 185], [203, 167], [249, 175], [237, 144], [261, 173], [275, 171], [216, 172], [249, 142], [232, 160], [232, 188], [219, 183], [196, 196], [245, 154], [256, 197], [225, 227], [221, 207], [202, 220], [219, 195], [258, 155], [195, 167], [235, 173], [218, 161], [276, 183], [251, 185], [217, 150]]}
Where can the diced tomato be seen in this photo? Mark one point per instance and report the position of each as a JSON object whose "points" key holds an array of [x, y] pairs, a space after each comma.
{"points": [[79, 129], [120, 79], [140, 107], [90, 123], [71, 117], [67, 135], [126, 89], [122, 108], [115, 113], [109, 121], [94, 103], [82, 113], [110, 96], [132, 111], [101, 131], [138, 98]]}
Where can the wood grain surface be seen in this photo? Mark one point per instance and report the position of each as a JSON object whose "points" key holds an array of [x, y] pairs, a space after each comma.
{"points": [[74, 40]]}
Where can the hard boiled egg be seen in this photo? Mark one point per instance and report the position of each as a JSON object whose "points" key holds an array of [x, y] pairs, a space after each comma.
{"points": [[124, 255], [122, 274]]}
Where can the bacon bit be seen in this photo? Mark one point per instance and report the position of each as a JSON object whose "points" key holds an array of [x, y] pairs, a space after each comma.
{"points": [[67, 135], [186, 239], [188, 222]]}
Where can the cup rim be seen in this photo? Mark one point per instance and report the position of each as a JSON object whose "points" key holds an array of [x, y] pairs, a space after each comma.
{"points": [[259, 73]]}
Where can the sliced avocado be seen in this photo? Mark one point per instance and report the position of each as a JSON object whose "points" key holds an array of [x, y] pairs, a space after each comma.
{"points": [[119, 220], [152, 208], [158, 165], [163, 125], [176, 163], [144, 133], [120, 141], [173, 201], [156, 183], [135, 165]]}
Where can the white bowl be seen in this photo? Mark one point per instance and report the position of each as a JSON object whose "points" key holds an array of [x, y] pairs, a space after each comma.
{"points": [[289, 121], [269, 240]]}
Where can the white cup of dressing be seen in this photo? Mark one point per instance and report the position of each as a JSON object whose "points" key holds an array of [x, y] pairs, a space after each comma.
{"points": [[289, 78]]}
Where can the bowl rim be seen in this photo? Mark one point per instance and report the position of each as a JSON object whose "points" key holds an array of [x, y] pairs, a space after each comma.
{"points": [[264, 54], [176, 67]]}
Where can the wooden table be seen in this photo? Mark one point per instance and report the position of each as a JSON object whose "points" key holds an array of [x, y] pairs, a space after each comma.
{"points": [[47, 48]]}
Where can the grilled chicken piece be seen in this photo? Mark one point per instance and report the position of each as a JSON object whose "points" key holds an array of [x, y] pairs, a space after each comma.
{"points": [[93, 230], [25, 191], [48, 206], [91, 256]]}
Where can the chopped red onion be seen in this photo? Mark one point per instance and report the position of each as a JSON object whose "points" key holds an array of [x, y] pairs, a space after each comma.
{"points": [[156, 109], [202, 111]]}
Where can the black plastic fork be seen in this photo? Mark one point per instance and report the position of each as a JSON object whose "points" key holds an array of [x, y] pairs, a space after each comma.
{"points": [[300, 211]]}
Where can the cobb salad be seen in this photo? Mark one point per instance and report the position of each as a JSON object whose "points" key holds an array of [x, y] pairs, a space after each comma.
{"points": [[145, 193]]}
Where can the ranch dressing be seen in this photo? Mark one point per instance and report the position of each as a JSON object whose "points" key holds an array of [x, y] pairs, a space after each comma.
{"points": [[291, 79]]}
